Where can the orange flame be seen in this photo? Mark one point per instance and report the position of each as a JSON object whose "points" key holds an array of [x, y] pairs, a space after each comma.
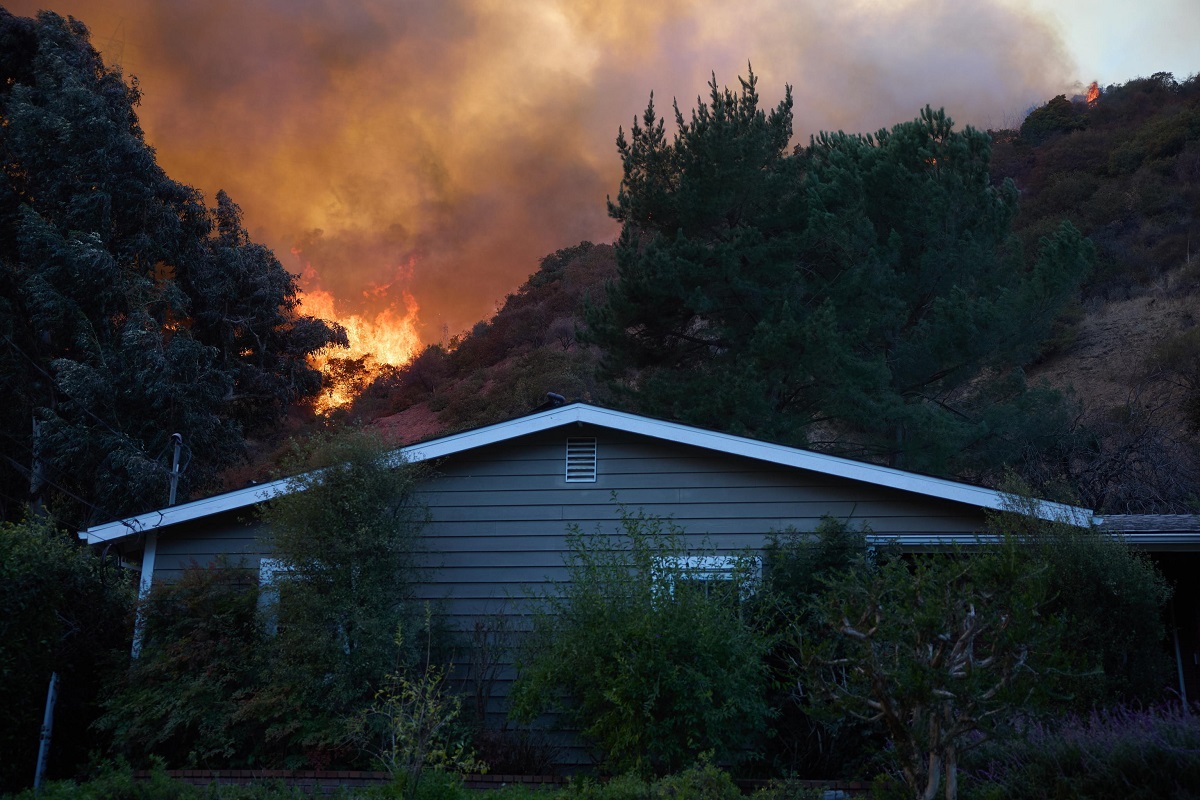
{"points": [[388, 338], [1093, 93]]}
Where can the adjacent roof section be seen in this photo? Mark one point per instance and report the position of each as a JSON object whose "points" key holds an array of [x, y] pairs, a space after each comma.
{"points": [[615, 420], [1154, 531]]}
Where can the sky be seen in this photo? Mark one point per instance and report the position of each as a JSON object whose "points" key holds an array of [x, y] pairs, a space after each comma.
{"points": [[416, 158]]}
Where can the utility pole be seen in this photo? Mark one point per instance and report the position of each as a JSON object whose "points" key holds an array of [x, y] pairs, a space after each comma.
{"points": [[177, 438]]}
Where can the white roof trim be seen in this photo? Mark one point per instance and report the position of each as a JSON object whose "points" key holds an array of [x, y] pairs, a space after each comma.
{"points": [[617, 420]]}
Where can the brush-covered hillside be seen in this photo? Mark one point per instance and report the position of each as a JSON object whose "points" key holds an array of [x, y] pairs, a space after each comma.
{"points": [[1124, 350]]}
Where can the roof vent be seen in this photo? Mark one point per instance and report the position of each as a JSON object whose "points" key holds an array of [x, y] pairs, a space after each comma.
{"points": [[581, 460]]}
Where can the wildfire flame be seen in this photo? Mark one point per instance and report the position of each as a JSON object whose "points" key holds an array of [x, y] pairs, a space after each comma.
{"points": [[388, 338], [1093, 93]]}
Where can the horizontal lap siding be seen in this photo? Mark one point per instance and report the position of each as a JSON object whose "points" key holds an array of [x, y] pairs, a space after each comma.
{"points": [[499, 517], [201, 541], [500, 514]]}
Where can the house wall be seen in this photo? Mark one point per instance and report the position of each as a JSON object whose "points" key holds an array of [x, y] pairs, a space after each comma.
{"points": [[500, 514], [233, 534]]}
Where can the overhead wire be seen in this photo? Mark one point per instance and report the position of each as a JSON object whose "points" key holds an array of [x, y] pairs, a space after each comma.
{"points": [[26, 471]]}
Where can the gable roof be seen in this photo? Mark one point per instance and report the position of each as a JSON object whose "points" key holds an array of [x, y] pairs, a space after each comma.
{"points": [[616, 420]]}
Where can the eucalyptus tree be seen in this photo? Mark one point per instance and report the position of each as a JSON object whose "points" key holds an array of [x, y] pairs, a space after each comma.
{"points": [[128, 309]]}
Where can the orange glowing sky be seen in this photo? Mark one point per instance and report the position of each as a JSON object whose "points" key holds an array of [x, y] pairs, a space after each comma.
{"points": [[441, 147]]}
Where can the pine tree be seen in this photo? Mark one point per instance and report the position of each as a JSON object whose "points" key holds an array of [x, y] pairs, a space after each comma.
{"points": [[860, 294]]}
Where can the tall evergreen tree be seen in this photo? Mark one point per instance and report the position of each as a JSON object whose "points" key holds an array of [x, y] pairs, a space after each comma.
{"points": [[861, 294], [128, 310]]}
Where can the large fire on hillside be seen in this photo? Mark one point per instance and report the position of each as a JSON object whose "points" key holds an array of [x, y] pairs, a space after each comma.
{"points": [[479, 135], [387, 337]]}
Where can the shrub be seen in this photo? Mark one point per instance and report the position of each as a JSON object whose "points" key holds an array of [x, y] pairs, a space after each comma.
{"points": [[789, 789], [413, 724], [1118, 754], [940, 649], [701, 781], [649, 664], [1059, 115], [61, 610], [115, 781], [184, 698], [436, 784], [1111, 598], [797, 564]]}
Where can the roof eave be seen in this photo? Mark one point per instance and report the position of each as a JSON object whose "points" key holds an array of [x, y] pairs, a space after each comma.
{"points": [[620, 420]]}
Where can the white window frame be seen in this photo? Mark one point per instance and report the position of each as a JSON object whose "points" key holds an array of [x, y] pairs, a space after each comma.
{"points": [[270, 570], [716, 568]]}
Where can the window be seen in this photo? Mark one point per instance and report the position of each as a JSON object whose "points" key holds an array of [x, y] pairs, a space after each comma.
{"points": [[581, 460], [273, 579], [736, 577], [270, 571]]}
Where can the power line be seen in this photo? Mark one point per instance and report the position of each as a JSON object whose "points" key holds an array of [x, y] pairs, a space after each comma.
{"points": [[104, 512], [54, 382]]}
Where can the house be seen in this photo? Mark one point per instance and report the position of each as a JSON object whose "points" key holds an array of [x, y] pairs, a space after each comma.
{"points": [[502, 497]]}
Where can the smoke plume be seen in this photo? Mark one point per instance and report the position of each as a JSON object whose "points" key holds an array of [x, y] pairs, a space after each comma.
{"points": [[440, 147]]}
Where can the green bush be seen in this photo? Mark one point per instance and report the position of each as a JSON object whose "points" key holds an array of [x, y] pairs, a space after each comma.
{"points": [[701, 781], [345, 538], [185, 698], [939, 649], [61, 610], [788, 789], [115, 781], [797, 565], [651, 665], [1111, 598], [413, 728], [434, 784]]}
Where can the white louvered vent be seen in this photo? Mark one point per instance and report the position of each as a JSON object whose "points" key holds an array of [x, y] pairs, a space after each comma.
{"points": [[581, 460]]}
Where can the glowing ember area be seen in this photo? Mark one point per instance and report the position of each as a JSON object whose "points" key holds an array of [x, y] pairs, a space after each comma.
{"points": [[1093, 93], [388, 338]]}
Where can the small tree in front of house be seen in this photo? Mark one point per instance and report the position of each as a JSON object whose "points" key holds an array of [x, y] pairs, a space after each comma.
{"points": [[344, 539], [414, 723], [796, 567], [653, 666], [943, 650]]}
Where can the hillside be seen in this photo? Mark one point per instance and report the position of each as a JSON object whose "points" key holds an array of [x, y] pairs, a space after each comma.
{"points": [[1125, 170]]}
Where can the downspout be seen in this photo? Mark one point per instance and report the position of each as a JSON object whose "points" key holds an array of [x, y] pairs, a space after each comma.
{"points": [[147, 578]]}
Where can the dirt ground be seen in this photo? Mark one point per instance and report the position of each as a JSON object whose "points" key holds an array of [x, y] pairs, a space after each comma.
{"points": [[1110, 357]]}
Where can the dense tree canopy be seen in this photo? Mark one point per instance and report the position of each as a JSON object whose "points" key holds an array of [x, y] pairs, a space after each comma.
{"points": [[128, 310], [862, 293]]}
